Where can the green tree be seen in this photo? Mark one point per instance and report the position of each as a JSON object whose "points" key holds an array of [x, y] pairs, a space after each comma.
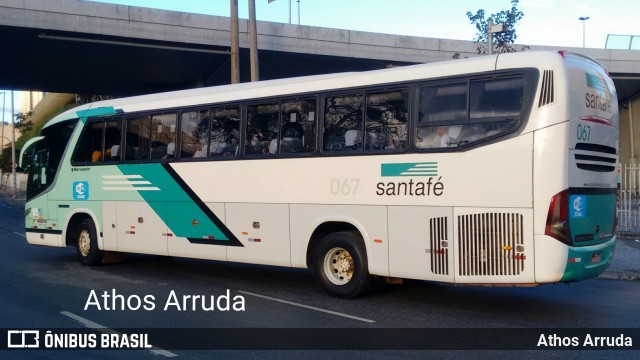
{"points": [[23, 124], [502, 41]]}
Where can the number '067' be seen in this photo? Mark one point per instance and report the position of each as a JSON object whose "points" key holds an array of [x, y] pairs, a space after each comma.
{"points": [[344, 186], [584, 132]]}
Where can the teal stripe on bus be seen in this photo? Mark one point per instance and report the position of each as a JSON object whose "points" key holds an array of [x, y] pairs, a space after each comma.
{"points": [[107, 110], [409, 169], [172, 204]]}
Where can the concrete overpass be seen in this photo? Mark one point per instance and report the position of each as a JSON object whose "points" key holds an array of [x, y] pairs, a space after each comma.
{"points": [[87, 47]]}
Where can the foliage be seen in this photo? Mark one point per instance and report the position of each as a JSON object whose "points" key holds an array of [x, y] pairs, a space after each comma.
{"points": [[502, 41], [23, 124]]}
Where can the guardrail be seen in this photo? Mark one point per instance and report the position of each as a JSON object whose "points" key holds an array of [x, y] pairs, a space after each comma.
{"points": [[628, 207]]}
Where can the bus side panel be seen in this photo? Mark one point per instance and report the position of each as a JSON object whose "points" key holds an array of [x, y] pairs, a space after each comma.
{"points": [[551, 259], [371, 222], [140, 228], [421, 243], [44, 239], [181, 246], [263, 230], [550, 170], [109, 226]]}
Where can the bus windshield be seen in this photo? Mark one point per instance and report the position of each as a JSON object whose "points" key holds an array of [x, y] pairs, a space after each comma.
{"points": [[43, 157]]}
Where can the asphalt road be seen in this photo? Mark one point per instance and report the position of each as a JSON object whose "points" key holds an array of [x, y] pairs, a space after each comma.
{"points": [[43, 288]]}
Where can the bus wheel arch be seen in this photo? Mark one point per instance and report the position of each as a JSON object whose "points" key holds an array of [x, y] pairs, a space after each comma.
{"points": [[337, 254], [83, 235]]}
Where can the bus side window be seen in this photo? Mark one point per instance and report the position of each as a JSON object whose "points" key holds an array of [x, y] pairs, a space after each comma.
{"points": [[194, 134], [443, 108], [137, 139], [163, 136], [262, 129], [343, 123], [497, 103], [386, 121], [496, 98], [89, 147], [112, 138], [297, 126], [225, 131]]}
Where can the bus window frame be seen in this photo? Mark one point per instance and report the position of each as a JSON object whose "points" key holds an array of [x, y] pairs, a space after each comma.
{"points": [[181, 112], [244, 120], [531, 78], [364, 91]]}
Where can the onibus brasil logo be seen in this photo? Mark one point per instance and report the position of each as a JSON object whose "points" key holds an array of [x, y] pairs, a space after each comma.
{"points": [[429, 184]]}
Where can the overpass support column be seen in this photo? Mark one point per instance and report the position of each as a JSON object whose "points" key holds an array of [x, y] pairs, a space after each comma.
{"points": [[253, 41], [235, 44]]}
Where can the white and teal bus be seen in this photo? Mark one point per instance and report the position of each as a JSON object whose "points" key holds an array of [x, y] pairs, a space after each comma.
{"points": [[495, 170]]}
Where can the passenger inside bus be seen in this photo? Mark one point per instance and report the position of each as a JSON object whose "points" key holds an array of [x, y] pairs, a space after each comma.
{"points": [[292, 135]]}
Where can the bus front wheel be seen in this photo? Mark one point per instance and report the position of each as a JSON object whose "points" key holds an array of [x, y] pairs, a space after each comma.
{"points": [[340, 265], [87, 246]]}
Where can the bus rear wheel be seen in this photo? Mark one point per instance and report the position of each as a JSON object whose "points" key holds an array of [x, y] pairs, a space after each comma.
{"points": [[340, 265], [87, 246]]}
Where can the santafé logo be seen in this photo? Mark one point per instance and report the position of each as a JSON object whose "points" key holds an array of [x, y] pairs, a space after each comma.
{"points": [[410, 169], [432, 186]]}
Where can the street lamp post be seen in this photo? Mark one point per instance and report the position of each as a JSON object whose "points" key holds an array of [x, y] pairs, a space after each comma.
{"points": [[492, 29], [13, 148], [584, 20], [12, 161]]}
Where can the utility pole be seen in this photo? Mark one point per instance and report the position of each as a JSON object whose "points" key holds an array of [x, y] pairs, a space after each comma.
{"points": [[253, 42], [13, 147], [235, 44]]}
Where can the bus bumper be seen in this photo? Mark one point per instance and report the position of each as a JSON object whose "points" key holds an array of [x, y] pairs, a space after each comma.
{"points": [[35, 237], [586, 262]]}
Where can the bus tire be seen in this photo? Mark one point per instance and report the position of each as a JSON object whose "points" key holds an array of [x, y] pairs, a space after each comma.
{"points": [[87, 246], [340, 265]]}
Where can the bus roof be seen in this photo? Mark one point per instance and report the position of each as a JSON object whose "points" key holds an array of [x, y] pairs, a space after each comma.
{"points": [[306, 84]]}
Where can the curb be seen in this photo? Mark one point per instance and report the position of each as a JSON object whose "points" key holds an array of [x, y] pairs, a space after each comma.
{"points": [[619, 276]]}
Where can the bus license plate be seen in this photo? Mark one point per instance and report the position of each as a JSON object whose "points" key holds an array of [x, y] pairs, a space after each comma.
{"points": [[595, 258]]}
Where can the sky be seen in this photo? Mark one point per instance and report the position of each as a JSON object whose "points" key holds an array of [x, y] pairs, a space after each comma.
{"points": [[545, 22]]}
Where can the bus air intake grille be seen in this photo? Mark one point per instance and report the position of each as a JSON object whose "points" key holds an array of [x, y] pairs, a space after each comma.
{"points": [[490, 244], [439, 246], [595, 157], [547, 95]]}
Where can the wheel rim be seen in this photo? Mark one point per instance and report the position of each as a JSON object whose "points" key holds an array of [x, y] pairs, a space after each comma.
{"points": [[338, 266], [84, 243]]}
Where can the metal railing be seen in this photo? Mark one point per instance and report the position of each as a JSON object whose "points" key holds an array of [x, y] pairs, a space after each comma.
{"points": [[622, 42], [629, 199]]}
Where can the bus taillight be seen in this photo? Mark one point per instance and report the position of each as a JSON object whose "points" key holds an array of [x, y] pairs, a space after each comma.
{"points": [[558, 218]]}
